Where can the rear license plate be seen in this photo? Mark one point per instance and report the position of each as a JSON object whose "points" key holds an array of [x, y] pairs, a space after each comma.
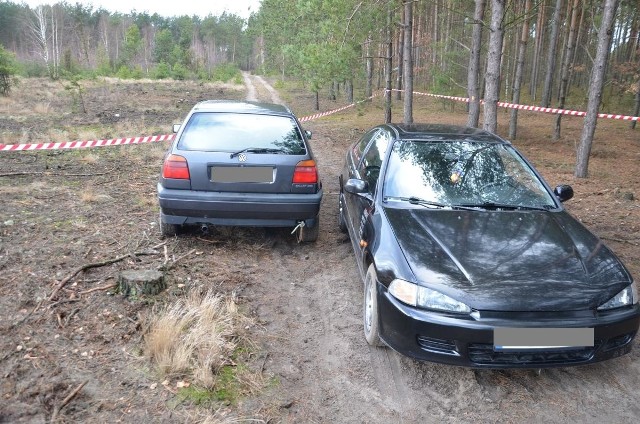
{"points": [[241, 174], [541, 338]]}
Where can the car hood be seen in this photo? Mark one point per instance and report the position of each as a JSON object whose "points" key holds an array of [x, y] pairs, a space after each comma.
{"points": [[508, 260]]}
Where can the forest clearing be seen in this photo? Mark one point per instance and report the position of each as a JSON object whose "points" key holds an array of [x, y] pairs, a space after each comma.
{"points": [[304, 358], [249, 325]]}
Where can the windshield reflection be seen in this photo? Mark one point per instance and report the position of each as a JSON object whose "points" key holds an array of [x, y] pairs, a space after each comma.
{"points": [[463, 173]]}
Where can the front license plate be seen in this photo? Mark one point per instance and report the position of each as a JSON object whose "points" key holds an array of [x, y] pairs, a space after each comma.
{"points": [[242, 174], [541, 338]]}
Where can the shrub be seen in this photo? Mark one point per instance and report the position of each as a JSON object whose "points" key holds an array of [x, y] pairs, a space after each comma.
{"points": [[179, 72], [34, 70], [124, 72], [8, 70], [225, 72], [161, 71], [137, 72]]}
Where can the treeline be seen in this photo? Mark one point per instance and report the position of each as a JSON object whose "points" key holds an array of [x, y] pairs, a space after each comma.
{"points": [[341, 44], [57, 39], [331, 42]]}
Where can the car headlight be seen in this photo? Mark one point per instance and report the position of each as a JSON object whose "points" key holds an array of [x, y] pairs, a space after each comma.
{"points": [[627, 297], [422, 297]]}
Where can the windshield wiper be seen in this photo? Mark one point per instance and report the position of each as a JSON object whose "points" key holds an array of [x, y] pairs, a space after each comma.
{"points": [[255, 150], [504, 206], [422, 202]]}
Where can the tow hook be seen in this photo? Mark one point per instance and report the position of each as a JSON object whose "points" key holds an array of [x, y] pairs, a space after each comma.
{"points": [[299, 226]]}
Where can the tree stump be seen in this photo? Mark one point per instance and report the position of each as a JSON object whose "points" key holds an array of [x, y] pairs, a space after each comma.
{"points": [[138, 282]]}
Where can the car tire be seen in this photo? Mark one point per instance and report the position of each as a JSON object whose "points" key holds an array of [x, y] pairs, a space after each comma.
{"points": [[342, 223], [370, 310], [166, 229], [309, 234]]}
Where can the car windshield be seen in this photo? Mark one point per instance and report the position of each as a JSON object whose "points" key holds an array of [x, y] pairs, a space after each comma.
{"points": [[463, 173], [234, 132]]}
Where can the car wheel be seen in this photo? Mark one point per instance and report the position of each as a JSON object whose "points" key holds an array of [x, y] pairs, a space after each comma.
{"points": [[166, 229], [371, 323], [342, 223], [309, 234]]}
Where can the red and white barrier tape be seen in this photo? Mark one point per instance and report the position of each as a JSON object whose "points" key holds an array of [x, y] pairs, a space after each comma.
{"points": [[84, 144], [551, 110], [137, 140], [340, 109], [169, 137]]}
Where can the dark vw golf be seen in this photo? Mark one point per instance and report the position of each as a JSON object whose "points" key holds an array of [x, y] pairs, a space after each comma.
{"points": [[240, 164], [469, 258]]}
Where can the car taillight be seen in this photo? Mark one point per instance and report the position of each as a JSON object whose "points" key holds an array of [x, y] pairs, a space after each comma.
{"points": [[306, 172], [175, 167]]}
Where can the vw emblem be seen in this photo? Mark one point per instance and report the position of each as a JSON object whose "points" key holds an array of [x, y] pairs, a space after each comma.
{"points": [[242, 157]]}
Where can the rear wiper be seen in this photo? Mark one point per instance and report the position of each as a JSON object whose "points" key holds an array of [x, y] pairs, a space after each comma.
{"points": [[494, 206], [422, 202], [255, 150]]}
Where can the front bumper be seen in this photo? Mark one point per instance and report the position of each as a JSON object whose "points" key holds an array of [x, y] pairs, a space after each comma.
{"points": [[465, 341], [238, 209]]}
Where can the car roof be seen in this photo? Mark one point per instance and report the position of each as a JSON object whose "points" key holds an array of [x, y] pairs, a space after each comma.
{"points": [[233, 106], [443, 132]]}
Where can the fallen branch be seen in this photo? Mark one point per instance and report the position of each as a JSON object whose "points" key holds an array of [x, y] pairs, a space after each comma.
{"points": [[99, 288], [100, 264], [57, 409], [15, 174], [53, 174], [167, 268], [166, 256], [210, 241], [619, 240]]}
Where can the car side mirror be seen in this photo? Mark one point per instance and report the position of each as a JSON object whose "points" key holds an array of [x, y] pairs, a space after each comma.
{"points": [[308, 134], [563, 192], [176, 128], [356, 186]]}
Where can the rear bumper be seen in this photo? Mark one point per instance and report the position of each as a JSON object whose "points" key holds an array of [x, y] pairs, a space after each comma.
{"points": [[238, 209], [469, 342]]}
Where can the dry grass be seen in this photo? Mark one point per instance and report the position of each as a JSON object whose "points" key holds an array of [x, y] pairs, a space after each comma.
{"points": [[195, 337], [89, 159], [88, 195], [42, 108], [57, 136]]}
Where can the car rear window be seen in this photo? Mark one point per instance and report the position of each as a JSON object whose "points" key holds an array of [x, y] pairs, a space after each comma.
{"points": [[231, 132]]}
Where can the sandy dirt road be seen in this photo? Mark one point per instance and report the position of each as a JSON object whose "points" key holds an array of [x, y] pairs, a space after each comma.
{"points": [[309, 301]]}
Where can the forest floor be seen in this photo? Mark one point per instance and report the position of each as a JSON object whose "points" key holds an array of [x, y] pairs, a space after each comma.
{"points": [[61, 210]]}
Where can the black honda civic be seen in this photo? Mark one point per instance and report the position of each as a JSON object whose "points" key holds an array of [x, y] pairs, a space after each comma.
{"points": [[469, 258]]}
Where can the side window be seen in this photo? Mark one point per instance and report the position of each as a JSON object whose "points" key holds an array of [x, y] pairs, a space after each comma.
{"points": [[369, 168], [358, 149]]}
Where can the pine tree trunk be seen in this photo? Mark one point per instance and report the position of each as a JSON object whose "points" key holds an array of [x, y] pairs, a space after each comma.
{"points": [[517, 83], [492, 86], [408, 63], [474, 65], [636, 109], [349, 90], [595, 88], [400, 50], [537, 51], [388, 65], [566, 65], [551, 57], [369, 65]]}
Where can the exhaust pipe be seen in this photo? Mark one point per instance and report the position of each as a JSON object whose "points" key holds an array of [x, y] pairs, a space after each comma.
{"points": [[204, 228]]}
